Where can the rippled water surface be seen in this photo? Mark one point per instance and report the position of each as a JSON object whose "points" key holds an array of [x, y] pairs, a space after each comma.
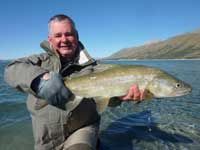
{"points": [[172, 123]]}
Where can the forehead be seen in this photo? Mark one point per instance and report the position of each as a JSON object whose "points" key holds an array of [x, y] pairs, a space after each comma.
{"points": [[60, 26]]}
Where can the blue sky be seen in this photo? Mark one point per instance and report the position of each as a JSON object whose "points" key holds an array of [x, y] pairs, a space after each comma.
{"points": [[105, 26]]}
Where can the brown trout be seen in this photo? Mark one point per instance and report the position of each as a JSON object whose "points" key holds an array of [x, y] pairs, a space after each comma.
{"points": [[109, 81]]}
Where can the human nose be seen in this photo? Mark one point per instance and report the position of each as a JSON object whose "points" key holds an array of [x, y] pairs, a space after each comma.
{"points": [[64, 38]]}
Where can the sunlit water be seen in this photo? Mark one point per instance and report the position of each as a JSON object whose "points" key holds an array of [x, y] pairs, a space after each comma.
{"points": [[159, 124]]}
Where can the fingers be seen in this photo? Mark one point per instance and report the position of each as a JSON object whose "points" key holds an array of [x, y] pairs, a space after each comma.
{"points": [[142, 94], [126, 97], [134, 93], [45, 76]]}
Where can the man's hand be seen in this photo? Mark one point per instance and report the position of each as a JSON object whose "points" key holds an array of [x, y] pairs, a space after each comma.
{"points": [[134, 94], [51, 88]]}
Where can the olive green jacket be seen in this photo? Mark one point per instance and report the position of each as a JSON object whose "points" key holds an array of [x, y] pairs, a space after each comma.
{"points": [[21, 72]]}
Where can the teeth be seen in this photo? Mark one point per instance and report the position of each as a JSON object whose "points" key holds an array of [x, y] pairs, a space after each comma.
{"points": [[66, 45]]}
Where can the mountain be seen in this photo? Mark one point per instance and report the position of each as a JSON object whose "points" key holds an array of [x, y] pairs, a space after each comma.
{"points": [[185, 46]]}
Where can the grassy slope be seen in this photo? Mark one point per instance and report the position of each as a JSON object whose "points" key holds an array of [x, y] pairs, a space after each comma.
{"points": [[178, 47]]}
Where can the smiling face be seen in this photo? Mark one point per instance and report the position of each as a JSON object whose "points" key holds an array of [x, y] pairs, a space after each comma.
{"points": [[63, 38]]}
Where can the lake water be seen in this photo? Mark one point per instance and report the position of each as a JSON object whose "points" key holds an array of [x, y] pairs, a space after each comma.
{"points": [[164, 124]]}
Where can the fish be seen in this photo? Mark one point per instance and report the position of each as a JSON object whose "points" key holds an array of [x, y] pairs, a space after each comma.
{"points": [[112, 80]]}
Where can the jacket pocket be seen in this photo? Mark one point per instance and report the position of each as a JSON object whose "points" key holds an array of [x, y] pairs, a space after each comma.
{"points": [[40, 131], [56, 125], [50, 126], [56, 133]]}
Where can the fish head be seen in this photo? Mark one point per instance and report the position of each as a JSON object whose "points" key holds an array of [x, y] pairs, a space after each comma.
{"points": [[166, 85]]}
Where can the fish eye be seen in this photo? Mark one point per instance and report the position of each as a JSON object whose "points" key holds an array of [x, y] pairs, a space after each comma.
{"points": [[178, 85]]}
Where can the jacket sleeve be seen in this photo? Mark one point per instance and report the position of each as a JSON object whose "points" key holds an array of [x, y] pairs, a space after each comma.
{"points": [[21, 72]]}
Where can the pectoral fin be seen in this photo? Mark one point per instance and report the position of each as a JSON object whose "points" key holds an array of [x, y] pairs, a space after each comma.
{"points": [[148, 95], [101, 103]]}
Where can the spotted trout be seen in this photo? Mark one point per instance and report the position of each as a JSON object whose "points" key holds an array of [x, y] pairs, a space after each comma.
{"points": [[109, 81]]}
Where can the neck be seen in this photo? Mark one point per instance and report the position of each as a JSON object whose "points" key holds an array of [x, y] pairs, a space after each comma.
{"points": [[65, 59]]}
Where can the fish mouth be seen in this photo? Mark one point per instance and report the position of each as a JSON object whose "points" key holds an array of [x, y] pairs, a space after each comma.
{"points": [[181, 92]]}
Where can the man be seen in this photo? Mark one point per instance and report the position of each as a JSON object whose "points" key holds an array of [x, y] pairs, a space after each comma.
{"points": [[55, 126]]}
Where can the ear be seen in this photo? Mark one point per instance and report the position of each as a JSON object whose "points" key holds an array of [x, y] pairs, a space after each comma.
{"points": [[76, 32], [49, 38]]}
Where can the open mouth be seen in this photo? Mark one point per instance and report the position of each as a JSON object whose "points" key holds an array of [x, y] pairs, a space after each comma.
{"points": [[66, 47]]}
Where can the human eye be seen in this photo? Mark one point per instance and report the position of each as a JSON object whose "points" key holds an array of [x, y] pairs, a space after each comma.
{"points": [[69, 34], [57, 35]]}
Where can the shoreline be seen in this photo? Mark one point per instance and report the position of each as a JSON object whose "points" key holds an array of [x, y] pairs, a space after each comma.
{"points": [[146, 59]]}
